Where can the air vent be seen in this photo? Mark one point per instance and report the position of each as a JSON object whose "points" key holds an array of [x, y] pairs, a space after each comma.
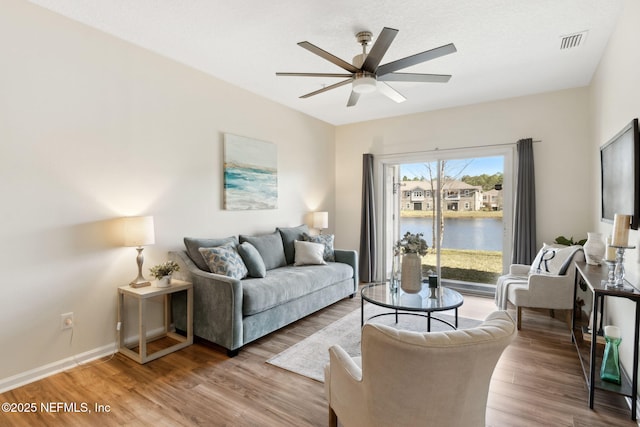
{"points": [[572, 40]]}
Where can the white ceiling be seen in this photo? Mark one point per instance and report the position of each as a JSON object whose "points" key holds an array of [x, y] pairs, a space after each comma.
{"points": [[506, 48]]}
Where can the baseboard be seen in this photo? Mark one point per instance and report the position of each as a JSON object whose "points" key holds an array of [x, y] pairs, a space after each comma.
{"points": [[637, 402], [41, 372]]}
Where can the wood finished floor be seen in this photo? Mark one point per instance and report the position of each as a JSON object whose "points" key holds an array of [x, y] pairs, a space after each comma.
{"points": [[538, 382]]}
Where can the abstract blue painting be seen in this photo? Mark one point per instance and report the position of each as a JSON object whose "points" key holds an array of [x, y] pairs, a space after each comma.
{"points": [[250, 173]]}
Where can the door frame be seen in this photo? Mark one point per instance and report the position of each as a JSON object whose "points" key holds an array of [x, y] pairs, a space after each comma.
{"points": [[386, 167]]}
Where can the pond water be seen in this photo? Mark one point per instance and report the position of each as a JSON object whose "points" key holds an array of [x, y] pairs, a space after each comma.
{"points": [[460, 233]]}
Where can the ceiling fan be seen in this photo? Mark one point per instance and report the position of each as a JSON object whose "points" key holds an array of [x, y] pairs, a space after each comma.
{"points": [[366, 75]]}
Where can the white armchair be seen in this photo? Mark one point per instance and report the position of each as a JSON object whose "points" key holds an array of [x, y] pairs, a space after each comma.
{"points": [[551, 289], [408, 379]]}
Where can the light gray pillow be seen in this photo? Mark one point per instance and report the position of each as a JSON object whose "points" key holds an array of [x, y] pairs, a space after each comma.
{"points": [[224, 260], [252, 260], [270, 248], [289, 235], [309, 253], [193, 245]]}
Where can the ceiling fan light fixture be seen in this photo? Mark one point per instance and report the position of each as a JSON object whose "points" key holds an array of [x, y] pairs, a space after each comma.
{"points": [[366, 84]]}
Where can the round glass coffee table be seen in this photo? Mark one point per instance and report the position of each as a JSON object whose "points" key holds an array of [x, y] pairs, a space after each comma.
{"points": [[416, 304]]}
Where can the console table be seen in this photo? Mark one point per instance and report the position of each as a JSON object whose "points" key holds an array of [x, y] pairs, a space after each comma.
{"points": [[595, 278]]}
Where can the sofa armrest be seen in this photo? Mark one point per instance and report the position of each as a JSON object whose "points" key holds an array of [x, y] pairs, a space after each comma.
{"points": [[349, 257], [519, 269], [546, 291], [217, 303]]}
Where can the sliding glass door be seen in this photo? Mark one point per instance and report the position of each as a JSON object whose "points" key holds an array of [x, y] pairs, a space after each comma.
{"points": [[460, 201]]}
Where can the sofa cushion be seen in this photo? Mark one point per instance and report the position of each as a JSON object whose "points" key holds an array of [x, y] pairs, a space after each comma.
{"points": [[308, 253], [327, 241], [270, 248], [288, 283], [224, 260], [289, 235], [252, 259], [193, 245]]}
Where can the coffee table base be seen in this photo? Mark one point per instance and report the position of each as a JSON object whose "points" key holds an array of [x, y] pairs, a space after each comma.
{"points": [[398, 312]]}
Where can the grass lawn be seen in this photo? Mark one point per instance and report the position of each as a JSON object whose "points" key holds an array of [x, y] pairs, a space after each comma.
{"points": [[466, 265]]}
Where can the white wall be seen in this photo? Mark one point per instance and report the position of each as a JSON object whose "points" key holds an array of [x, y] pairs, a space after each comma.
{"points": [[615, 101], [558, 119], [93, 128]]}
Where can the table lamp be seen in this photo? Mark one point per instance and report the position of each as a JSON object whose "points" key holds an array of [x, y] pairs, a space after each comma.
{"points": [[138, 232], [320, 220]]}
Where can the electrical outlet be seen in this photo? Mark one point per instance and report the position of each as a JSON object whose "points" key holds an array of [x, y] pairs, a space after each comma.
{"points": [[66, 321]]}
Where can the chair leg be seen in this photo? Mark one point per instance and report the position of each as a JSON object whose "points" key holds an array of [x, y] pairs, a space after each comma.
{"points": [[519, 317], [333, 418], [552, 313]]}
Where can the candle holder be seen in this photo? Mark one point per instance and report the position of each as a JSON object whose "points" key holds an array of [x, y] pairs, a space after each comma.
{"points": [[618, 272], [611, 277]]}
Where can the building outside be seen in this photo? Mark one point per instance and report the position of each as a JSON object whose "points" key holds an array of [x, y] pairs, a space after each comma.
{"points": [[492, 200], [458, 196]]}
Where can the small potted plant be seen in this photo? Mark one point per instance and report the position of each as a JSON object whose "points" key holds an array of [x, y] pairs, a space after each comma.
{"points": [[163, 272]]}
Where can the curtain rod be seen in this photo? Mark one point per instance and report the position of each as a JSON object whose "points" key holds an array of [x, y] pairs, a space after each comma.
{"points": [[479, 146]]}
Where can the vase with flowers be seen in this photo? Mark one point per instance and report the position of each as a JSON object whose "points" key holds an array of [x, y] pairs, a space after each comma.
{"points": [[163, 272], [411, 247]]}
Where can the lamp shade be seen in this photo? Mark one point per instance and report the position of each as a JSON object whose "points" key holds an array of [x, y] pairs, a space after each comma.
{"points": [[138, 231], [320, 220]]}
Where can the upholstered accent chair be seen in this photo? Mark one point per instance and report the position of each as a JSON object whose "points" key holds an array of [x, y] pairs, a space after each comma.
{"points": [[417, 379], [548, 283]]}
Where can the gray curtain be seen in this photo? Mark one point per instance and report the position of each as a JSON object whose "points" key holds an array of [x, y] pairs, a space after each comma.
{"points": [[524, 229], [368, 222]]}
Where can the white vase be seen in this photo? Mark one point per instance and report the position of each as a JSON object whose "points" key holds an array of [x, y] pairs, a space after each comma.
{"points": [[164, 282], [594, 248], [411, 279]]}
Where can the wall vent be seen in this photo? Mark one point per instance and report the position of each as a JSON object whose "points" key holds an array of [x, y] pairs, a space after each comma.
{"points": [[572, 40]]}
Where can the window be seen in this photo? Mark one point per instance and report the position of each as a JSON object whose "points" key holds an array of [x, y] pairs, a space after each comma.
{"points": [[449, 235]]}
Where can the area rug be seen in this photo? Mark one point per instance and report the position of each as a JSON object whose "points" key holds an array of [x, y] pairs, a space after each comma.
{"points": [[309, 356]]}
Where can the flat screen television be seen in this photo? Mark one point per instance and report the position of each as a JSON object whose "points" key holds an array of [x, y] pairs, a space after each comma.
{"points": [[620, 174]]}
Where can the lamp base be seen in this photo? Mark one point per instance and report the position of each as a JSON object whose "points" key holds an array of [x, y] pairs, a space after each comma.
{"points": [[139, 284], [139, 281]]}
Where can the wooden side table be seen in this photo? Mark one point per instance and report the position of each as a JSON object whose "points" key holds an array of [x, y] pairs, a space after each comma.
{"points": [[142, 295]]}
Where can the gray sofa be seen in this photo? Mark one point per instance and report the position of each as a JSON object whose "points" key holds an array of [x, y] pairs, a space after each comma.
{"points": [[232, 312]]}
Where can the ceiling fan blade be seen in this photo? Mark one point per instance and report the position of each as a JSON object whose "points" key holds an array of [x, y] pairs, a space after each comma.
{"points": [[418, 58], [353, 99], [390, 92], [314, 74], [324, 89], [329, 57], [415, 77], [379, 48]]}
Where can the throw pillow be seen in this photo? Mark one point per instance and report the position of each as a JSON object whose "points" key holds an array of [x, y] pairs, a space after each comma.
{"points": [[270, 248], [289, 235], [308, 253], [193, 245], [224, 260], [553, 259], [252, 260], [327, 241]]}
